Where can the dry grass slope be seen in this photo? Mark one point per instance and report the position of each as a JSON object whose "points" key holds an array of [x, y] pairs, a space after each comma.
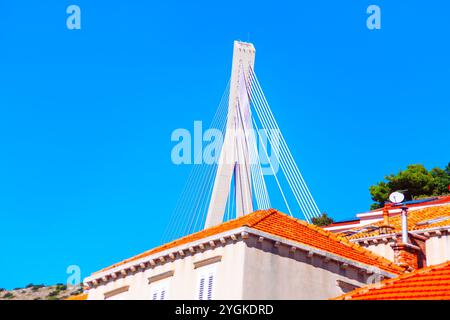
{"points": [[40, 292]]}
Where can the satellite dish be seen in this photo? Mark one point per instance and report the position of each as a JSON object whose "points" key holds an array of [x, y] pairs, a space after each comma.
{"points": [[396, 197]]}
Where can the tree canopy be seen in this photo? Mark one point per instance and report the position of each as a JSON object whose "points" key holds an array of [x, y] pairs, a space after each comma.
{"points": [[416, 182], [322, 220]]}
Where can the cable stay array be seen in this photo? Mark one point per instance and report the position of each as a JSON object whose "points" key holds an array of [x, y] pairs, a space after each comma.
{"points": [[263, 141]]}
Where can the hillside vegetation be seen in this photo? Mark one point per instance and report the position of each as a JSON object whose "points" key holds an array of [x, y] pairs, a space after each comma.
{"points": [[40, 292]]}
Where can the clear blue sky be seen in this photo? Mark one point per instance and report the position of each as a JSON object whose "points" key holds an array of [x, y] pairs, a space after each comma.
{"points": [[86, 116]]}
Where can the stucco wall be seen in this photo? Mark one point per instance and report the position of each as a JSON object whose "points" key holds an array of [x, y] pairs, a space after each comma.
{"points": [[382, 249], [249, 269], [277, 273], [438, 249], [184, 282]]}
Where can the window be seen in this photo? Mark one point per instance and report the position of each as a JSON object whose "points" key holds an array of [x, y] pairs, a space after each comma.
{"points": [[159, 285], [159, 291], [206, 283]]}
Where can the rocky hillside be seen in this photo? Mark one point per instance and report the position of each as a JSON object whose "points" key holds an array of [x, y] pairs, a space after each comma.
{"points": [[40, 292]]}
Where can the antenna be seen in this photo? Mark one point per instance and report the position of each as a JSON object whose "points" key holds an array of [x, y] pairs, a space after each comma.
{"points": [[396, 197]]}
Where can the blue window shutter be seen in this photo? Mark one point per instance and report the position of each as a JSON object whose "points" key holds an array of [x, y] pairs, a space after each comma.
{"points": [[210, 286], [201, 288]]}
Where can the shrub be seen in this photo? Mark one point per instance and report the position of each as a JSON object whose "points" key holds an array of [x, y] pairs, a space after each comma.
{"points": [[8, 295], [78, 291], [53, 293], [36, 287], [322, 220], [61, 287]]}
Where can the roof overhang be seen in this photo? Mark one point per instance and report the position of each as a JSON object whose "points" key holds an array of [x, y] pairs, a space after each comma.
{"points": [[224, 238], [429, 232]]}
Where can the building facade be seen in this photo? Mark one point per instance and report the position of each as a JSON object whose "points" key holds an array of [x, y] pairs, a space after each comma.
{"points": [[428, 232], [263, 255]]}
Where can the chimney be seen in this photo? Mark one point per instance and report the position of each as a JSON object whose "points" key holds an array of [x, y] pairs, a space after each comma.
{"points": [[386, 227], [385, 215], [405, 224], [406, 254]]}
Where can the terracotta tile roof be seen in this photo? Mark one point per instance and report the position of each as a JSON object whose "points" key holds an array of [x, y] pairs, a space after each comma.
{"points": [[273, 222], [417, 220], [431, 283], [82, 296]]}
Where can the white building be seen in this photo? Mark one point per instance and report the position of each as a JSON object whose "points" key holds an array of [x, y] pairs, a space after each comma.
{"points": [[263, 255], [428, 224], [370, 217]]}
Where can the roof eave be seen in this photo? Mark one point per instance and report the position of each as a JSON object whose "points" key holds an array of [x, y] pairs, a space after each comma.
{"points": [[235, 234]]}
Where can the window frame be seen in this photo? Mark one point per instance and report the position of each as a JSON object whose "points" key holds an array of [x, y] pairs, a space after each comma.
{"points": [[159, 287], [206, 273]]}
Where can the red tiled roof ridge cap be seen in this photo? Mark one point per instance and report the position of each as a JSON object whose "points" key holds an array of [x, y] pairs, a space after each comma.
{"points": [[260, 216]]}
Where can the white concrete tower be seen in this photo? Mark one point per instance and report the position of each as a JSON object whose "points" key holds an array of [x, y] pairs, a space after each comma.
{"points": [[235, 157]]}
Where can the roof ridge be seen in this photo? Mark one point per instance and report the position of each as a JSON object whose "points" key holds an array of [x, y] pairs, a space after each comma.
{"points": [[260, 215], [265, 214]]}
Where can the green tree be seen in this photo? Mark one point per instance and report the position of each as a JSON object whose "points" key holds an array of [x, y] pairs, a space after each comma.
{"points": [[323, 220], [416, 179], [442, 179]]}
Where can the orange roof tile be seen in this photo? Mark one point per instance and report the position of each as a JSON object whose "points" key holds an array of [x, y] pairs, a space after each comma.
{"points": [[82, 296], [416, 221], [431, 283], [273, 222]]}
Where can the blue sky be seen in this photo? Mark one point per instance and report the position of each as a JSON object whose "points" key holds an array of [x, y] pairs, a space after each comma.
{"points": [[86, 115]]}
